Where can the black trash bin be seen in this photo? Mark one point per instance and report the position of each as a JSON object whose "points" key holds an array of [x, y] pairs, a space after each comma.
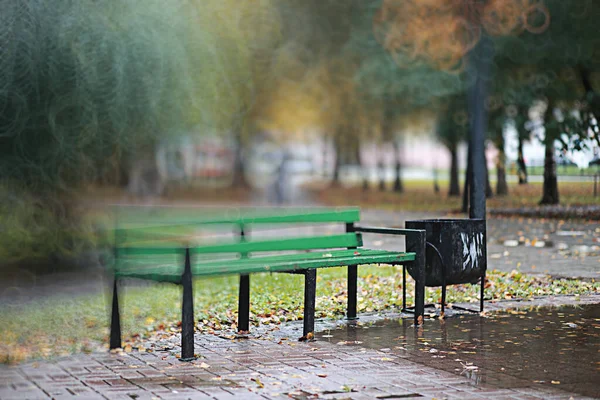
{"points": [[456, 252]]}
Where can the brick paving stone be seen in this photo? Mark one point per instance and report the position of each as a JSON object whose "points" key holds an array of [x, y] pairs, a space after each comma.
{"points": [[256, 369]]}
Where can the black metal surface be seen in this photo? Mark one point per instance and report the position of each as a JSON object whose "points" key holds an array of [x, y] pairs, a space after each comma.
{"points": [[418, 266], [115, 320], [352, 291], [310, 291], [386, 231], [479, 68], [481, 290], [352, 281], [115, 316], [187, 312], [403, 287], [416, 237], [462, 247], [244, 303], [244, 293]]}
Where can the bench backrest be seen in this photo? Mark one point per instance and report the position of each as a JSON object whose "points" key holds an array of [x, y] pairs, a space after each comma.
{"points": [[166, 223], [152, 235]]}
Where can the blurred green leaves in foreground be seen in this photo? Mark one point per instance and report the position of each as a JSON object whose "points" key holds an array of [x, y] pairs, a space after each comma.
{"points": [[88, 88]]}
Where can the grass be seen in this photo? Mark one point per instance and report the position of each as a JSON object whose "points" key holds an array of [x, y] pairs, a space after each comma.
{"points": [[419, 196], [61, 326]]}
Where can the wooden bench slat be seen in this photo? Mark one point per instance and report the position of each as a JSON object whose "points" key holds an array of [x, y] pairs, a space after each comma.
{"points": [[171, 271], [152, 261], [190, 222], [296, 243]]}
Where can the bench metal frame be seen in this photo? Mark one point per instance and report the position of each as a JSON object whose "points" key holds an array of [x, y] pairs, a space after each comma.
{"points": [[310, 281]]}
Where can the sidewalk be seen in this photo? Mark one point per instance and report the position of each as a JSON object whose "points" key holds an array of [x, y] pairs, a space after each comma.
{"points": [[269, 367]]}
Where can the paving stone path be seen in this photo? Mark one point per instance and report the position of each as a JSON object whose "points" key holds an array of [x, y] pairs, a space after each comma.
{"points": [[252, 369], [259, 368]]}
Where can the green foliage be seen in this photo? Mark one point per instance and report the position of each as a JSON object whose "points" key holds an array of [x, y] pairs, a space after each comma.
{"points": [[83, 81], [86, 86], [382, 76], [452, 125], [42, 231]]}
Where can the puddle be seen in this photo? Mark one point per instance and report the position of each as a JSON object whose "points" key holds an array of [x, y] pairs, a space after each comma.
{"points": [[559, 347]]}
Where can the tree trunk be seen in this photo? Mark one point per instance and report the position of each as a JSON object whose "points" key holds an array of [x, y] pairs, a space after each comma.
{"points": [[466, 190], [381, 170], [454, 185], [594, 101], [364, 169], [489, 193], [325, 155], [521, 166], [239, 166], [335, 180], [398, 185], [550, 191], [501, 185]]}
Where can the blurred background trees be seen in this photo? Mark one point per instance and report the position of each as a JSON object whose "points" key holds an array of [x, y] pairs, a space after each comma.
{"points": [[92, 92]]}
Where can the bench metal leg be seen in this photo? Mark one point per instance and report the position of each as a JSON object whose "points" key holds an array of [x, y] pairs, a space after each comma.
{"points": [[244, 304], [310, 292], [403, 288], [481, 293], [115, 320], [443, 299], [420, 281], [187, 312], [352, 291]]}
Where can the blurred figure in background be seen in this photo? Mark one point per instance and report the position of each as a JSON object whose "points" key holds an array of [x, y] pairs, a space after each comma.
{"points": [[281, 192]]}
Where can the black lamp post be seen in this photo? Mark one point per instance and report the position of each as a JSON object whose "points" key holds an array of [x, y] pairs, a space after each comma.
{"points": [[479, 68]]}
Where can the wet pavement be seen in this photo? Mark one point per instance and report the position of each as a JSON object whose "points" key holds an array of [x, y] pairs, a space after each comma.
{"points": [[555, 347], [537, 353]]}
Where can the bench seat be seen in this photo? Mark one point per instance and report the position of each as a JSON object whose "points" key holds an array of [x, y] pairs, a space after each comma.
{"points": [[165, 268], [175, 245]]}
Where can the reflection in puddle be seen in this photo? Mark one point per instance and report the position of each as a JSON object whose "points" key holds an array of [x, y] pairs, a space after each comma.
{"points": [[515, 348]]}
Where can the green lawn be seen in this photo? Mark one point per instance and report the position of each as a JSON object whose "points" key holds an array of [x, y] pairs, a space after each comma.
{"points": [[56, 327], [419, 196]]}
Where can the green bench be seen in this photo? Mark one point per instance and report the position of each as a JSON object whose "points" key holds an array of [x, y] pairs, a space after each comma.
{"points": [[171, 245]]}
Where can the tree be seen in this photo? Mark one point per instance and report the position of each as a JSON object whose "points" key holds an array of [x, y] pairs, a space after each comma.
{"points": [[83, 81], [451, 129], [496, 128], [241, 43], [556, 54]]}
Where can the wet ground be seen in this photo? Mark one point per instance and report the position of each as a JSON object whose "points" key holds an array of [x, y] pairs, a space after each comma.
{"points": [[558, 347]]}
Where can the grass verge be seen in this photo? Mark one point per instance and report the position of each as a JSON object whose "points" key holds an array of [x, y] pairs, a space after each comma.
{"points": [[419, 196], [56, 327]]}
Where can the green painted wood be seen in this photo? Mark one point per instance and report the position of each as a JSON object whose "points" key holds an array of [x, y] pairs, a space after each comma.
{"points": [[136, 214], [172, 226], [324, 262], [150, 261], [302, 243], [170, 270]]}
